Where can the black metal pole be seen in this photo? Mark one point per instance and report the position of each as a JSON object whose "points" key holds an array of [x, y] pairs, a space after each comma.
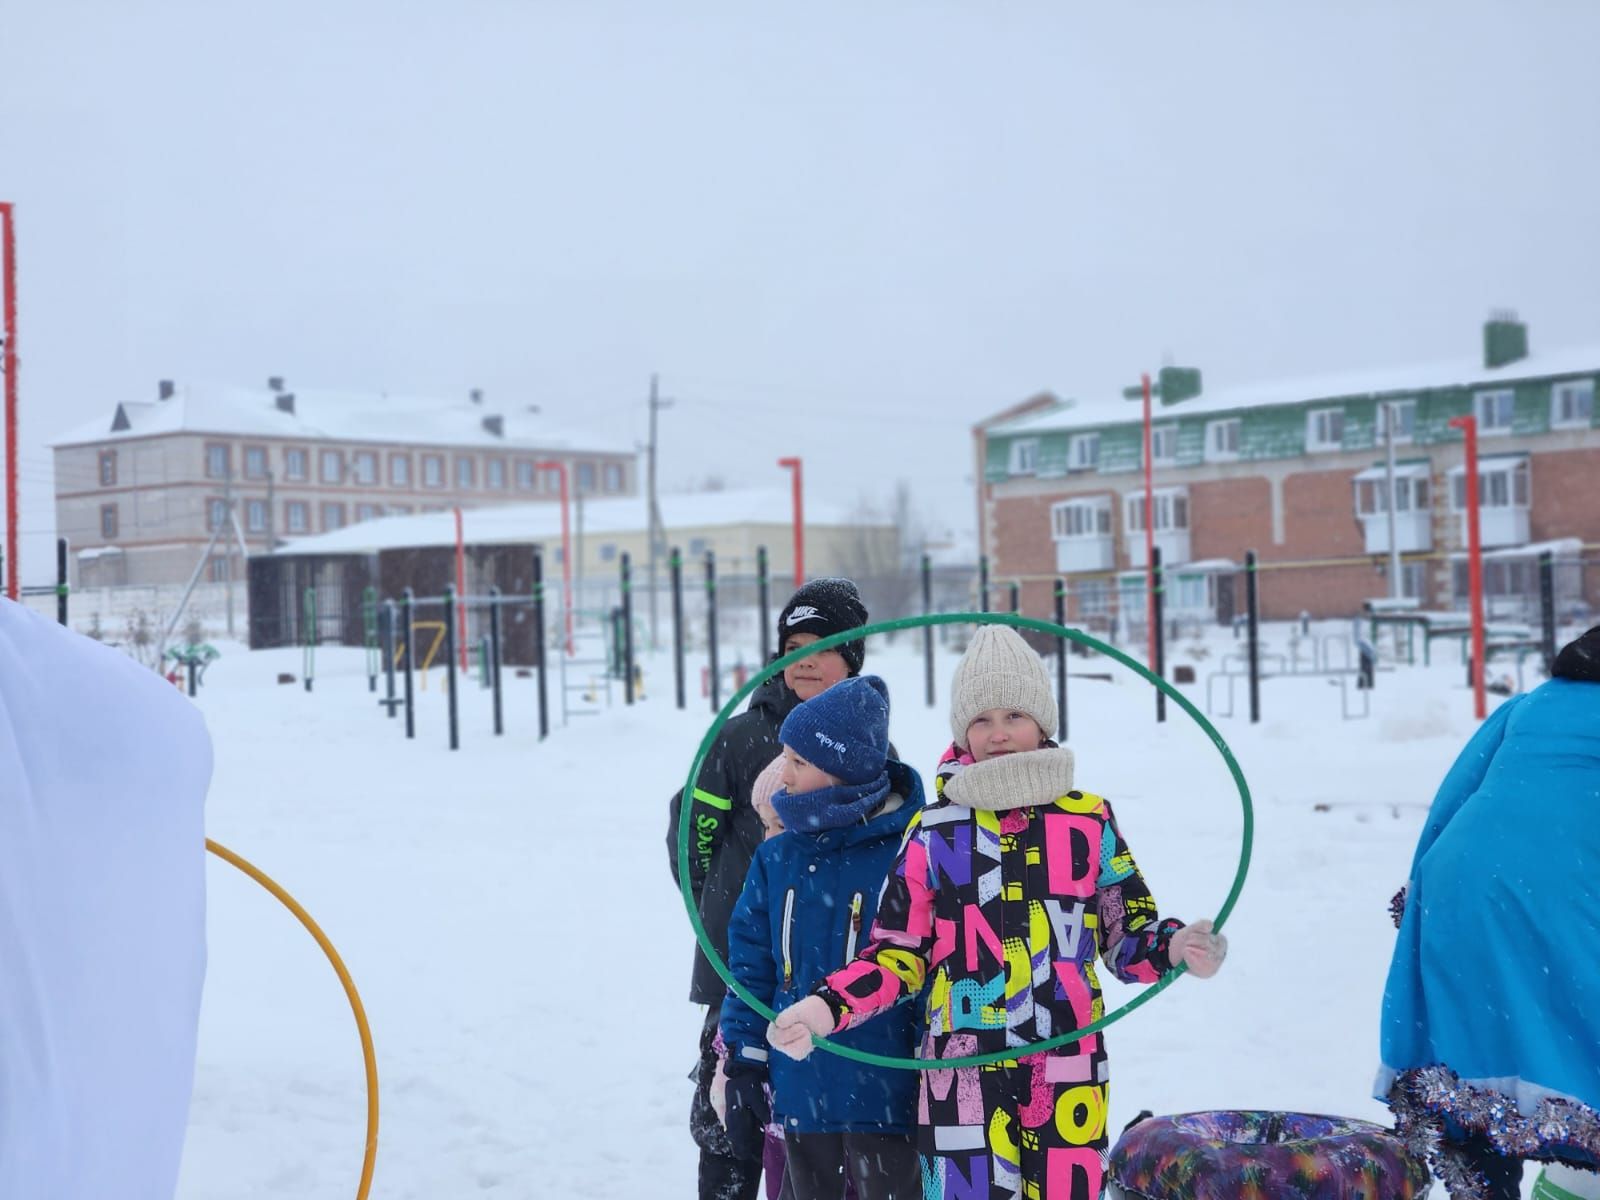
{"points": [[539, 641], [1016, 596], [61, 580], [1252, 606], [676, 564], [927, 630], [1160, 665], [983, 583], [763, 601], [389, 622], [494, 658], [1547, 607], [450, 660], [711, 628], [627, 629], [192, 652], [408, 605], [1061, 661]]}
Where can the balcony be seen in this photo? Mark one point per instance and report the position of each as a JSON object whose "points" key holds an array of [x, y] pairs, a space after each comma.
{"points": [[1411, 496], [1504, 494], [1094, 553], [1173, 544], [1413, 531]]}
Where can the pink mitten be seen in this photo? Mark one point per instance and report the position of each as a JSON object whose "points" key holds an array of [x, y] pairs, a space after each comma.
{"points": [[792, 1031], [1199, 949]]}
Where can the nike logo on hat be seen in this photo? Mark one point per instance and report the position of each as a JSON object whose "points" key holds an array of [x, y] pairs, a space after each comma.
{"points": [[804, 613]]}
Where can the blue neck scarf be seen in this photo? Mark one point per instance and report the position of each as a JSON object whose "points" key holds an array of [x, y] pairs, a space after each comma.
{"points": [[831, 807]]}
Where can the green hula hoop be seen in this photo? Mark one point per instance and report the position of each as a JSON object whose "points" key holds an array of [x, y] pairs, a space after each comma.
{"points": [[1012, 1053]]}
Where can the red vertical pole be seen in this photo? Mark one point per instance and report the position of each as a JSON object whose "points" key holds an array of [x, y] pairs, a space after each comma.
{"points": [[1149, 527], [566, 544], [9, 239], [794, 465], [1469, 431], [461, 591]]}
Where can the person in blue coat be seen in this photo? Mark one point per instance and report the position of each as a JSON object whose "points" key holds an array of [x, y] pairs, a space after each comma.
{"points": [[811, 894], [1491, 1014]]}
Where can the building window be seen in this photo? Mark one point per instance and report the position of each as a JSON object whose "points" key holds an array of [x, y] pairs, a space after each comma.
{"points": [[108, 468], [364, 464], [368, 512], [1571, 407], [332, 515], [495, 473], [108, 521], [466, 473], [1083, 452], [1081, 518], [1494, 410], [216, 460], [1411, 494], [332, 469], [399, 470], [1172, 510], [294, 466], [1325, 429], [1404, 414], [255, 516], [698, 547], [1164, 445], [1222, 440], [217, 569], [433, 470], [255, 462], [526, 479], [585, 478], [1094, 597], [552, 479], [399, 510], [1024, 456], [216, 515], [296, 516], [1499, 486], [613, 477], [608, 552]]}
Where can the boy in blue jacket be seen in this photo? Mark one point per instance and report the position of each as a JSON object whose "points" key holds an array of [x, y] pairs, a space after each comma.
{"points": [[810, 895]]}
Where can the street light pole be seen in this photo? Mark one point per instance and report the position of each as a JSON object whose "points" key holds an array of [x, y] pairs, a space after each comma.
{"points": [[794, 465], [1469, 430], [8, 246], [1149, 526], [1395, 590]]}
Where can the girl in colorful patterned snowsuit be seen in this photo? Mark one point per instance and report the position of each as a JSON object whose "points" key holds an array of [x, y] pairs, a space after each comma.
{"points": [[1001, 896]]}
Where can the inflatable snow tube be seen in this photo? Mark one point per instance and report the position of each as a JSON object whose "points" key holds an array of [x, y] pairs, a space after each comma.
{"points": [[1236, 1155]]}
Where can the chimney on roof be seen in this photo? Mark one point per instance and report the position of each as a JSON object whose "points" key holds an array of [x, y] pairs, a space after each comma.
{"points": [[285, 402], [165, 389], [477, 395], [275, 383], [1505, 339], [495, 424]]}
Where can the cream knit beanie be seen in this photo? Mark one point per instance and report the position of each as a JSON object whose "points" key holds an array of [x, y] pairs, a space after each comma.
{"points": [[1000, 670]]}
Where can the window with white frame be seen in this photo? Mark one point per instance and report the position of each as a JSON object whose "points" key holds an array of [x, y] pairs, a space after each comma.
{"points": [[1500, 485], [295, 467], [297, 516], [1494, 410], [433, 470], [216, 514], [613, 477], [525, 476], [495, 473], [331, 468], [364, 464], [399, 470], [1164, 445], [1083, 452], [1325, 429], [255, 462], [108, 468], [1222, 440], [1024, 456], [332, 515], [108, 521], [1094, 597], [366, 512], [466, 472], [1411, 494], [216, 460], [585, 478], [1089, 518], [1404, 415], [255, 516], [1171, 510], [1572, 404]]}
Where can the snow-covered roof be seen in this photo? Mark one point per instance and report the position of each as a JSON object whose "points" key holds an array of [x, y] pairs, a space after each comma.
{"points": [[1394, 382], [515, 524], [321, 415]]}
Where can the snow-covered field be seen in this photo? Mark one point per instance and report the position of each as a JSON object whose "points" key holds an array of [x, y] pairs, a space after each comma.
{"points": [[507, 914]]}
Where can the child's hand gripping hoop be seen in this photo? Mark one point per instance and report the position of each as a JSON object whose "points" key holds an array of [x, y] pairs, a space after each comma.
{"points": [[1020, 622]]}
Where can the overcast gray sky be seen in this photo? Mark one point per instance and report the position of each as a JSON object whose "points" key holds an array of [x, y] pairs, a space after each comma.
{"points": [[841, 230]]}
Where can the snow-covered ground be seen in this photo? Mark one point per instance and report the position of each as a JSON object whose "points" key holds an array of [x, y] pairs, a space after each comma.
{"points": [[507, 914]]}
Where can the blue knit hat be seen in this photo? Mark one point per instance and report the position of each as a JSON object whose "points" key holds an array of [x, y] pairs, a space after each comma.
{"points": [[844, 730]]}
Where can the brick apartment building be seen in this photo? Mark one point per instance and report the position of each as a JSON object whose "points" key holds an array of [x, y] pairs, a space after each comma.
{"points": [[1299, 473], [141, 492]]}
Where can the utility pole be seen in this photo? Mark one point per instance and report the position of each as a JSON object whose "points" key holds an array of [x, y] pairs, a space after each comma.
{"points": [[227, 546], [657, 535], [1395, 590]]}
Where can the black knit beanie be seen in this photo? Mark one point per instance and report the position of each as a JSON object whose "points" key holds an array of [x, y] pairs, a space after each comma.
{"points": [[1580, 658], [823, 607]]}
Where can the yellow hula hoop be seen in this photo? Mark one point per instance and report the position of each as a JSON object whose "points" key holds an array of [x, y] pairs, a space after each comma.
{"points": [[369, 1159]]}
